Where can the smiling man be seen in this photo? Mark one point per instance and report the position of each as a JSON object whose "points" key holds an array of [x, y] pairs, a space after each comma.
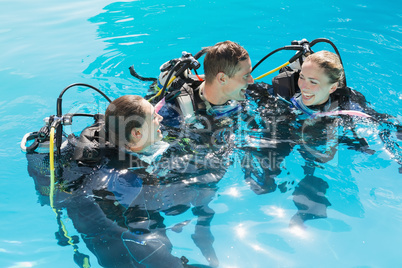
{"points": [[227, 68], [227, 73]]}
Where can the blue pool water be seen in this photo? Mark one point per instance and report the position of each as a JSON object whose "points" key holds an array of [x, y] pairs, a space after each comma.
{"points": [[48, 45]]}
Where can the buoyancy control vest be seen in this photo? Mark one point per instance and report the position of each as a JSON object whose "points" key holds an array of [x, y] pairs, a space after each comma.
{"points": [[285, 83], [92, 144], [92, 148], [187, 100]]}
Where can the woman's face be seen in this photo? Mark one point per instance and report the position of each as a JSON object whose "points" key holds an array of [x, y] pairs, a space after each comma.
{"points": [[150, 128], [314, 84]]}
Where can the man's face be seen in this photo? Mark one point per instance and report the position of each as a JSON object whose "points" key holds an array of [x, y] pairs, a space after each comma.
{"points": [[235, 87], [150, 128]]}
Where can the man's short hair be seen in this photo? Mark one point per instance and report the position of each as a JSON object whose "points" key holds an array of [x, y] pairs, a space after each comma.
{"points": [[223, 57], [124, 114]]}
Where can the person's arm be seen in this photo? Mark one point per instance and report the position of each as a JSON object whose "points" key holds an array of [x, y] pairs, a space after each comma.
{"points": [[203, 237]]}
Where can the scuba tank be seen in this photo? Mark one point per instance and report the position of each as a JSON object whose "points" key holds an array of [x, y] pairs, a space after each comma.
{"points": [[165, 69], [52, 181], [40, 142], [170, 72], [176, 83]]}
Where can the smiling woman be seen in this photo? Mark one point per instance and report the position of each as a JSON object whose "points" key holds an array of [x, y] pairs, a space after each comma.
{"points": [[321, 74]]}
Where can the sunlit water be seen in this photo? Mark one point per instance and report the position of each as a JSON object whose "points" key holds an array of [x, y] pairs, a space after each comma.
{"points": [[48, 45]]}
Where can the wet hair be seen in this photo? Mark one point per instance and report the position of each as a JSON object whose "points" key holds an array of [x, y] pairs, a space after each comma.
{"points": [[223, 57], [331, 64], [124, 114]]}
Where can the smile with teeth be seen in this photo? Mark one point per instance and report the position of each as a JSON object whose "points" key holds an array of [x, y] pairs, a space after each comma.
{"points": [[307, 96]]}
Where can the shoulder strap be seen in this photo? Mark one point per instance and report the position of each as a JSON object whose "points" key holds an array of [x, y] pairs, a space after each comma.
{"points": [[186, 100], [91, 143]]}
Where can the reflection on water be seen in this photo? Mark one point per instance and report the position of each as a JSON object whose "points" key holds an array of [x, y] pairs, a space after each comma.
{"points": [[49, 45]]}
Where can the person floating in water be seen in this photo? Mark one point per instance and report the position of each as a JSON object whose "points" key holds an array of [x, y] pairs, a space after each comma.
{"points": [[117, 203], [227, 68], [309, 108]]}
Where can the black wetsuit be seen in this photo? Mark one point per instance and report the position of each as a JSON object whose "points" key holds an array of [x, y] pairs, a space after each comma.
{"points": [[279, 127], [118, 204], [121, 218]]}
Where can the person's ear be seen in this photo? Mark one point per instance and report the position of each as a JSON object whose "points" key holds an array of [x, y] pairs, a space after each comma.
{"points": [[136, 133], [222, 78], [333, 88]]}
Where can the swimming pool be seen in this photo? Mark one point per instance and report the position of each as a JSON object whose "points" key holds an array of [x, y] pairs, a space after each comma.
{"points": [[47, 46]]}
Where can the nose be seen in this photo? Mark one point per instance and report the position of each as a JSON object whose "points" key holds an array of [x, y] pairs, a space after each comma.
{"points": [[160, 118], [251, 80]]}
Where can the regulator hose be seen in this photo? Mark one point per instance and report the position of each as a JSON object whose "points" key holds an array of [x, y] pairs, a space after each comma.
{"points": [[303, 46], [59, 130]]}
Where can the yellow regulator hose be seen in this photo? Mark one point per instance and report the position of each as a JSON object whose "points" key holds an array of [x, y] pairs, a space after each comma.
{"points": [[51, 163], [272, 71], [160, 91]]}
